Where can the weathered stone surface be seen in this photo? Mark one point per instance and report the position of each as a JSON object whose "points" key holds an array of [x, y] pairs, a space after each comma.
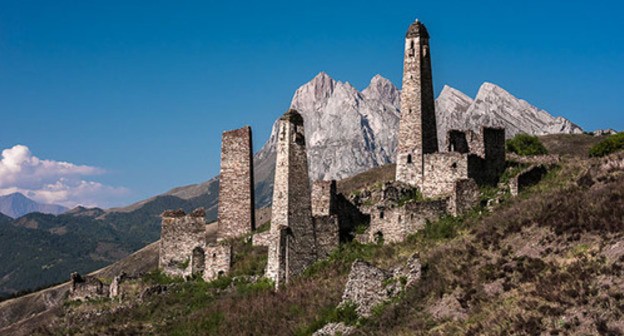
{"points": [[86, 288], [334, 329], [323, 198], [465, 196], [442, 170], [392, 224], [411, 271], [526, 178], [115, 286], [293, 245], [181, 236], [261, 239], [236, 193], [367, 287], [327, 232], [417, 128], [217, 260]]}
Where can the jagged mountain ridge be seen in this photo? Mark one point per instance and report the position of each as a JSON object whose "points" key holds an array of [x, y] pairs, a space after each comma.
{"points": [[494, 106], [16, 205]]}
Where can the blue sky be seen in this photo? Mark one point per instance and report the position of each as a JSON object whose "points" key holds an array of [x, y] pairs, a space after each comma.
{"points": [[143, 89]]}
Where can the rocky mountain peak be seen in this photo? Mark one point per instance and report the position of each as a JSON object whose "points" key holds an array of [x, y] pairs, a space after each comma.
{"points": [[383, 89]]}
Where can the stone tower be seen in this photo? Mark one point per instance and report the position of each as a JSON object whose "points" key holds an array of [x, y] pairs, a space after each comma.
{"points": [[292, 244], [417, 129], [236, 193]]}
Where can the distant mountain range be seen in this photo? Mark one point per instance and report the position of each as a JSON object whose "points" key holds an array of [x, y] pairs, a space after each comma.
{"points": [[17, 205], [347, 132]]}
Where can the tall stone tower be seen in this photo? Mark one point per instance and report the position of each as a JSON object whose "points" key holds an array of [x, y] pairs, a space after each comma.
{"points": [[417, 129], [293, 244], [236, 185]]}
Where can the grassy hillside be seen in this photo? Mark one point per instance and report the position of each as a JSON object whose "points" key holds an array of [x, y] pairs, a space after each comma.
{"points": [[548, 262]]}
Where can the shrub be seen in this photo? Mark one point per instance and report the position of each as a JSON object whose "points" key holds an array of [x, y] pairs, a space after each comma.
{"points": [[524, 144], [611, 144]]}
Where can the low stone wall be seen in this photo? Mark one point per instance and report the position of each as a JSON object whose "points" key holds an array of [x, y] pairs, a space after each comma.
{"points": [[527, 178], [86, 288], [367, 287]]}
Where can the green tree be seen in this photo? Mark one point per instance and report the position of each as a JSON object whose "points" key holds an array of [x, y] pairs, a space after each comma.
{"points": [[612, 143], [524, 144]]}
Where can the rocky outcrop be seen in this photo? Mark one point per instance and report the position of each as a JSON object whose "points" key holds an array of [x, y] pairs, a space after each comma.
{"points": [[334, 329]]}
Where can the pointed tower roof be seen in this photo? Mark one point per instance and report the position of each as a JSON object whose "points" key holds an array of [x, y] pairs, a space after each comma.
{"points": [[417, 29]]}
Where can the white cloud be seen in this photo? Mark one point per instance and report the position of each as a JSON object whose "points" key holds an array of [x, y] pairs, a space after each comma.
{"points": [[49, 181]]}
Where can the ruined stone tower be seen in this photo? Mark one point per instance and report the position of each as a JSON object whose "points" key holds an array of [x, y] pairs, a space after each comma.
{"points": [[292, 245], [417, 130], [236, 193]]}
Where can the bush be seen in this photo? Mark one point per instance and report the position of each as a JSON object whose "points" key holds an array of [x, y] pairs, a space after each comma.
{"points": [[524, 144], [611, 144]]}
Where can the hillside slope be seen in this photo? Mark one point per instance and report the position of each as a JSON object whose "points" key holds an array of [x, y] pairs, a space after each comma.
{"points": [[556, 269]]}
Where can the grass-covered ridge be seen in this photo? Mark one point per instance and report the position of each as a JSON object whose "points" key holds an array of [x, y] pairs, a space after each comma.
{"points": [[546, 262]]}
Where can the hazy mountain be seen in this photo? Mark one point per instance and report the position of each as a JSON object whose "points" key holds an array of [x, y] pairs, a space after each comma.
{"points": [[494, 106], [17, 205]]}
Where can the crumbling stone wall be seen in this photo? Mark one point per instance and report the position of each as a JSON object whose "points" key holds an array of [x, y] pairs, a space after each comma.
{"points": [[527, 178], [218, 260], [464, 197], [180, 235], [394, 224], [367, 286], [417, 128], [293, 245], [86, 288], [236, 193]]}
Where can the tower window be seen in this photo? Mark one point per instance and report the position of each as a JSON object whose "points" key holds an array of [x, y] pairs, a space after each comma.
{"points": [[381, 215], [409, 158]]}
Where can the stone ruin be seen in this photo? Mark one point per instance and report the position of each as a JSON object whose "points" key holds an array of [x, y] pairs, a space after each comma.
{"points": [[448, 180], [236, 193], [86, 288], [292, 245], [185, 249], [308, 221]]}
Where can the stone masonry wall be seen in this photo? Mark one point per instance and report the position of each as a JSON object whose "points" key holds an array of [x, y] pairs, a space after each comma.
{"points": [[180, 235], [218, 260], [327, 234], [417, 128], [464, 197], [236, 193], [323, 198], [441, 172], [395, 223], [293, 245], [527, 178]]}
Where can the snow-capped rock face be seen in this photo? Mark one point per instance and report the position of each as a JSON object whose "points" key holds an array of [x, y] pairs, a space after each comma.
{"points": [[494, 106]]}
